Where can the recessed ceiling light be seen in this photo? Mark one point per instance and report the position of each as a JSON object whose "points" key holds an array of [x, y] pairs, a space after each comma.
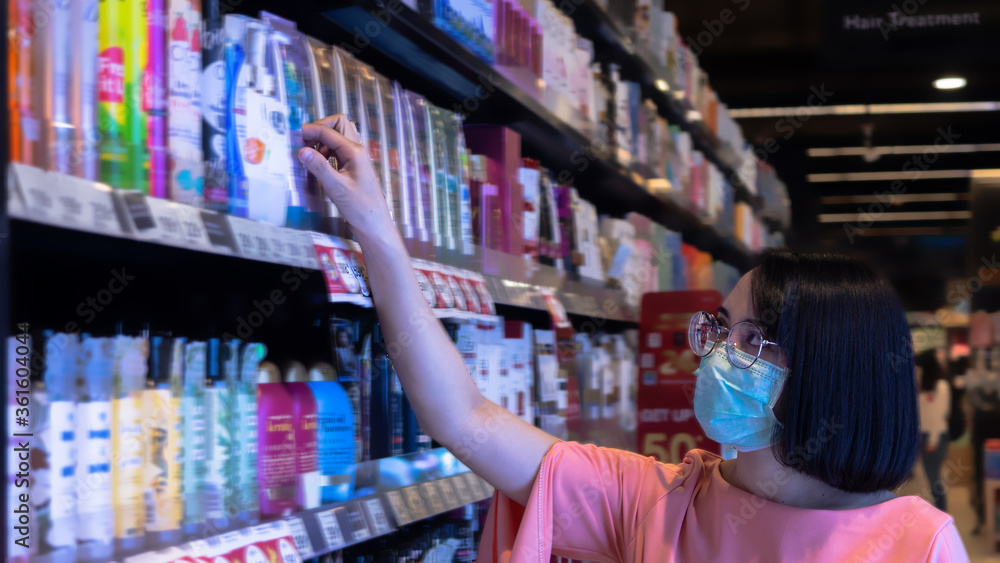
{"points": [[949, 83], [662, 85]]}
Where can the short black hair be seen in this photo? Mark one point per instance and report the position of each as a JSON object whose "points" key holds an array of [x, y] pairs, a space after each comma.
{"points": [[849, 407]]}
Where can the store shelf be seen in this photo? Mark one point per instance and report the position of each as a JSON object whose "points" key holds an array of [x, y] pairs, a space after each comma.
{"points": [[613, 45], [396, 492], [71, 204], [425, 59]]}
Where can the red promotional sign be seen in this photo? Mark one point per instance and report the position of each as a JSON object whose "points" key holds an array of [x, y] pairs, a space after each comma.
{"points": [[667, 425]]}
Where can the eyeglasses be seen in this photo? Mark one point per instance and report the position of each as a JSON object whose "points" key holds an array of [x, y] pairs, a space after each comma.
{"points": [[744, 341]]}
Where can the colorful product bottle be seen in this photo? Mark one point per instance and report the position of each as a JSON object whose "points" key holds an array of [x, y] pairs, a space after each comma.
{"points": [[111, 91], [258, 141], [214, 110], [187, 172], [306, 435], [53, 452], [276, 456], [219, 402], [52, 86], [83, 88], [365, 380], [292, 65], [344, 342], [94, 514], [387, 403], [127, 445], [420, 169], [445, 188], [246, 404], [136, 43], [162, 433], [193, 464], [155, 98], [336, 417]]}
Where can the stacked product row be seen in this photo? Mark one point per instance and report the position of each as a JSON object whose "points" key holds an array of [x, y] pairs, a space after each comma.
{"points": [[143, 440], [548, 383]]}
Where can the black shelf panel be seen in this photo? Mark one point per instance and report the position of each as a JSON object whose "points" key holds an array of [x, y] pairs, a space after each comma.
{"points": [[410, 49]]}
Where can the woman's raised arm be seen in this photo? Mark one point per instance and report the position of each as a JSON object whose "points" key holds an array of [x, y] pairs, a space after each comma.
{"points": [[494, 443]]}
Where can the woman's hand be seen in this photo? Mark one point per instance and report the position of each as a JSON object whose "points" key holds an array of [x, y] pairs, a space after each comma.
{"points": [[354, 188]]}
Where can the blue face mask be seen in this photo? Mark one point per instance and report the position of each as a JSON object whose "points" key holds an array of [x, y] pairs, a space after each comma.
{"points": [[734, 405]]}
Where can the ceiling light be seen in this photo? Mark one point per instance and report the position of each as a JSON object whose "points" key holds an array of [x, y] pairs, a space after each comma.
{"points": [[906, 149], [662, 85], [863, 109], [887, 176], [897, 216], [949, 83]]}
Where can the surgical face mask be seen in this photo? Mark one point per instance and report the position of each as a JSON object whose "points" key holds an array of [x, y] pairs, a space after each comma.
{"points": [[733, 405]]}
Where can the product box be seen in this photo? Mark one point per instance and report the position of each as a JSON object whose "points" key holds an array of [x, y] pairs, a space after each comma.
{"points": [[503, 146], [344, 269], [519, 345], [529, 176], [423, 272], [470, 22]]}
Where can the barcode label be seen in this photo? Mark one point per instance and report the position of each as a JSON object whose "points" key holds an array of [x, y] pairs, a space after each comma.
{"points": [[462, 489], [398, 506], [301, 537], [331, 529], [379, 520], [417, 509], [358, 522], [448, 493], [433, 496]]}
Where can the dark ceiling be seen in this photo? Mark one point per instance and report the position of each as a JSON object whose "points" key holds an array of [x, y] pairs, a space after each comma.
{"points": [[776, 53]]}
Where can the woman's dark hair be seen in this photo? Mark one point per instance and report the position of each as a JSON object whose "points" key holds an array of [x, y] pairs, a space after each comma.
{"points": [[930, 370], [849, 407]]}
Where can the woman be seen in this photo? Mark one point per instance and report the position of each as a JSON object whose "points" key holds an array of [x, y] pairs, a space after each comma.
{"points": [[935, 403], [832, 358]]}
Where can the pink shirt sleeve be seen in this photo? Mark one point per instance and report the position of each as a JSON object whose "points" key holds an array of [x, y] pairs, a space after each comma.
{"points": [[948, 547], [601, 495]]}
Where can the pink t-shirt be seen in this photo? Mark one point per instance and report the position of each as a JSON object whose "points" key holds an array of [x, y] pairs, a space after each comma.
{"points": [[598, 504]]}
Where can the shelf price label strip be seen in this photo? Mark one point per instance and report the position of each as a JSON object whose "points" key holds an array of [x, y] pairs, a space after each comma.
{"points": [[398, 506], [301, 537], [61, 200], [330, 527], [376, 516]]}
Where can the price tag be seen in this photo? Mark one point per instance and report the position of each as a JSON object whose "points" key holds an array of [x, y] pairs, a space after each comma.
{"points": [[472, 480], [357, 521], [192, 227], [218, 231], [448, 494], [398, 507], [462, 489], [298, 245], [39, 203], [243, 233], [301, 537], [416, 503], [433, 496], [276, 242], [331, 529], [377, 516], [166, 222], [84, 203]]}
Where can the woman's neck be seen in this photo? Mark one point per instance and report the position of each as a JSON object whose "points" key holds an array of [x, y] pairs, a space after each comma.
{"points": [[759, 473]]}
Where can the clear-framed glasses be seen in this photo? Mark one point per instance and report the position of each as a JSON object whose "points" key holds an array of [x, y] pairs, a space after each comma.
{"points": [[743, 341]]}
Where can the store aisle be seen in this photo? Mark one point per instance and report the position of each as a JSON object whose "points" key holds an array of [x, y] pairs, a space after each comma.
{"points": [[961, 511]]}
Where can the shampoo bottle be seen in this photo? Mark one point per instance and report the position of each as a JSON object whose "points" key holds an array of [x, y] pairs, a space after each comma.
{"points": [[161, 432], [276, 444], [306, 435], [218, 430], [52, 67], [193, 459], [110, 92], [246, 403], [345, 343], [337, 454], [155, 98], [187, 172], [128, 447], [214, 109], [291, 61], [136, 176], [53, 452], [95, 518]]}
